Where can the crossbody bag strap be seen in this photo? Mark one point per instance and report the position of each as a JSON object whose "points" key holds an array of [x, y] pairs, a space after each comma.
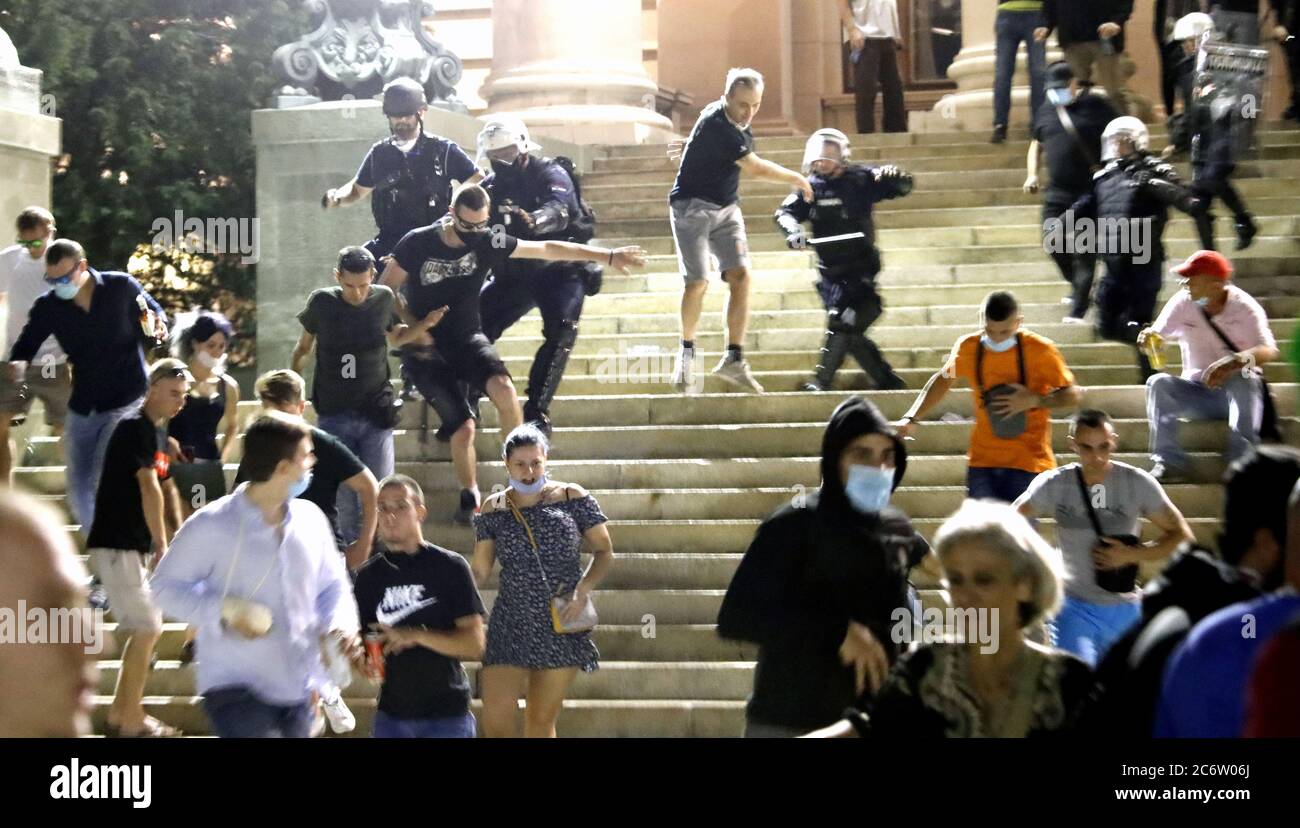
{"points": [[532, 542], [979, 364], [230, 572], [1068, 123], [1087, 502]]}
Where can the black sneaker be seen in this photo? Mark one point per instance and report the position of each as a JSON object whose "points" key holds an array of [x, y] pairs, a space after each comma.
{"points": [[1167, 476], [540, 421], [1246, 231], [187, 652], [811, 386], [468, 508], [999, 134]]}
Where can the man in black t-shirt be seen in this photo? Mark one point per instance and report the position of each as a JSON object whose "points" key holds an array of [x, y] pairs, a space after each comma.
{"points": [[440, 269], [705, 216], [131, 532], [1071, 162], [336, 466], [423, 602], [411, 173]]}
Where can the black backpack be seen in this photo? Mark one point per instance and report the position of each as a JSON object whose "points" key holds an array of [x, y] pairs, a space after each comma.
{"points": [[583, 226]]}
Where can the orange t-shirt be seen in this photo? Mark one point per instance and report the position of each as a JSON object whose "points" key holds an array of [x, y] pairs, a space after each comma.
{"points": [[1045, 371]]}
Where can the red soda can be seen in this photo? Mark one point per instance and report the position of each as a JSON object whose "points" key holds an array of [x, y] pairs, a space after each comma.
{"points": [[375, 654]]}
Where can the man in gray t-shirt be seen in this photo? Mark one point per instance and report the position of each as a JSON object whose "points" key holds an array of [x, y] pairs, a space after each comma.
{"points": [[1092, 618]]}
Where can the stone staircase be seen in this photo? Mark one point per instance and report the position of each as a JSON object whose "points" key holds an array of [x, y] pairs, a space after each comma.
{"points": [[686, 480]]}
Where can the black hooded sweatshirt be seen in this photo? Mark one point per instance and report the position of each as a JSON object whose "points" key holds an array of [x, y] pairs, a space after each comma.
{"points": [[811, 569]]}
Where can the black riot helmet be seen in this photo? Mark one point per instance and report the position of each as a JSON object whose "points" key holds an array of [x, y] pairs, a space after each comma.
{"points": [[402, 97]]}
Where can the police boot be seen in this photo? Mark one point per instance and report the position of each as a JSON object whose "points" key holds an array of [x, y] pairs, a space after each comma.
{"points": [[1246, 230], [833, 352], [547, 372], [879, 372]]}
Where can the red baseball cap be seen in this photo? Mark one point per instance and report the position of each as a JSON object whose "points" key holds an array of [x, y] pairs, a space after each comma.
{"points": [[1205, 263]]}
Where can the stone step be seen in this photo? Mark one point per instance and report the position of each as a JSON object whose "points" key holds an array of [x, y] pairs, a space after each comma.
{"points": [[615, 680], [971, 189], [763, 233], [663, 719], [948, 239], [956, 157], [896, 259], [938, 173], [1270, 133], [628, 642]]}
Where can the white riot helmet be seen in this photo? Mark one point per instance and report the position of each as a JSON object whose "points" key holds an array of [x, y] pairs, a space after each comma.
{"points": [[1193, 26], [1125, 127], [814, 149], [500, 132]]}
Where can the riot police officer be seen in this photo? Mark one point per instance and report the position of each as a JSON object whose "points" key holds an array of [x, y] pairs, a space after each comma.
{"points": [[1134, 189], [411, 172], [843, 195], [536, 199]]}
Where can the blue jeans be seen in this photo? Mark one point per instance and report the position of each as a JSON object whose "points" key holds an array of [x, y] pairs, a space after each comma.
{"points": [[236, 713], [1011, 29], [1088, 630], [373, 446], [450, 727], [1240, 401], [85, 441], [997, 484]]}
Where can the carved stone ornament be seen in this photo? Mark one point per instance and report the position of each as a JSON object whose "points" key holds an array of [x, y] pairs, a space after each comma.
{"points": [[357, 46]]}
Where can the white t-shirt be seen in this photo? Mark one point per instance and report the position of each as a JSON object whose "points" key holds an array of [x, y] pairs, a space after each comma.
{"points": [[22, 280], [1242, 319], [877, 18]]}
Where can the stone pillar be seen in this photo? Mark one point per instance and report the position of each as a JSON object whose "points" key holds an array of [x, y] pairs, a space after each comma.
{"points": [[970, 108], [573, 69], [29, 136]]}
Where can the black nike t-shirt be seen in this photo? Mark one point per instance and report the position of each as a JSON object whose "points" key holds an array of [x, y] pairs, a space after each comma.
{"points": [[430, 588], [438, 275]]}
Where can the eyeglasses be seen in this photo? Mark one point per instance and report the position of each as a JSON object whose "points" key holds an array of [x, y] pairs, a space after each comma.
{"points": [[62, 280], [470, 227]]}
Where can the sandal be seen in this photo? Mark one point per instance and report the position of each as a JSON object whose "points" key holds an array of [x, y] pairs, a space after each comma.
{"points": [[153, 729]]}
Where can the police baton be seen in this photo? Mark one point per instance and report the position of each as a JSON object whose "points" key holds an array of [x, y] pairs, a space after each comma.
{"points": [[831, 239]]}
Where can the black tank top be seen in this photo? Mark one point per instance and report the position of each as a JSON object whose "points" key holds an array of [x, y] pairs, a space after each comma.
{"points": [[195, 427]]}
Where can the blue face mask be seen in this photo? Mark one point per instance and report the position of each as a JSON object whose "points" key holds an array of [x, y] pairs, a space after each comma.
{"points": [[1060, 97], [1203, 302], [66, 290], [300, 485], [525, 489], [868, 488], [998, 347]]}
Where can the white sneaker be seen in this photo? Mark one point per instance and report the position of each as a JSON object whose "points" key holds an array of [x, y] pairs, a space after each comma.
{"points": [[340, 717], [736, 372], [1074, 320], [683, 380], [317, 723]]}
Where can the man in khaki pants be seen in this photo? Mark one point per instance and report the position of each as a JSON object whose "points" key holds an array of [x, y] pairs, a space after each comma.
{"points": [[1092, 36]]}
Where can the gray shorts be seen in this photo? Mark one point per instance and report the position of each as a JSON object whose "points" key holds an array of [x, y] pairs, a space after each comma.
{"points": [[701, 227], [51, 384], [126, 582]]}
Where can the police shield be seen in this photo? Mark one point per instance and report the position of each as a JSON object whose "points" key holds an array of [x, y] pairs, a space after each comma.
{"points": [[1231, 82]]}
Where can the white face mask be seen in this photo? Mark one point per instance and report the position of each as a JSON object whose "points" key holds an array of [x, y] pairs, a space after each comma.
{"points": [[215, 365], [406, 146]]}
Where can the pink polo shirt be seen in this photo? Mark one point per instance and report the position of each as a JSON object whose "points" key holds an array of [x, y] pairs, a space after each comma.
{"points": [[1242, 320]]}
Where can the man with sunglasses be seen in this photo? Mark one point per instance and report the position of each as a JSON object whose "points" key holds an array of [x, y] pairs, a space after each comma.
{"points": [[1217, 382], [48, 378], [409, 175], [96, 318], [444, 266]]}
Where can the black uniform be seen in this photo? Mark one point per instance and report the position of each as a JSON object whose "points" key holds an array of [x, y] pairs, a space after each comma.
{"points": [[1070, 171], [1210, 132], [1288, 16], [848, 269], [1167, 13], [1139, 187], [544, 190], [411, 189]]}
